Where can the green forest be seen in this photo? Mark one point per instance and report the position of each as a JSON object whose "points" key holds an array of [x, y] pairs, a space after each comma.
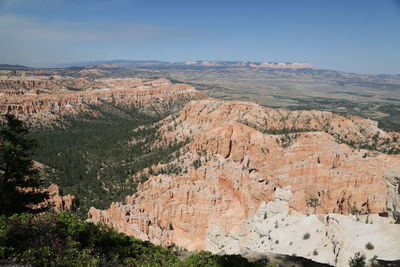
{"points": [[92, 155], [36, 236]]}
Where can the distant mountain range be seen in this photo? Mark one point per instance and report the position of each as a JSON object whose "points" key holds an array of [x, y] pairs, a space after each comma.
{"points": [[273, 65], [13, 67]]}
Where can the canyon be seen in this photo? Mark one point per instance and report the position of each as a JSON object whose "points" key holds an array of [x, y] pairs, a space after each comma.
{"points": [[244, 190], [242, 178], [44, 100]]}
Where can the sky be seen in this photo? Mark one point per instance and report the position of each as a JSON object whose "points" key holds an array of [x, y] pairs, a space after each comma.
{"points": [[360, 36]]}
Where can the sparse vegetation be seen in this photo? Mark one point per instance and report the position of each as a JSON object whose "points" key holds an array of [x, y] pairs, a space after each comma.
{"points": [[306, 236], [354, 210], [196, 163], [358, 260], [313, 202], [369, 246], [205, 258], [376, 142]]}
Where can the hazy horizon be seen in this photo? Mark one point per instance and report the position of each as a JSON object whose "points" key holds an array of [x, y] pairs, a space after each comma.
{"points": [[350, 36]]}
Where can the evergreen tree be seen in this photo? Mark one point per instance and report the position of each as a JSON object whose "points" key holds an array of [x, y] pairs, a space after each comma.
{"points": [[18, 178], [357, 261]]}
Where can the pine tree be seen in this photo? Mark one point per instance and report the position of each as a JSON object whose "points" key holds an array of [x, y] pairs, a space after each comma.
{"points": [[357, 261], [18, 178]]}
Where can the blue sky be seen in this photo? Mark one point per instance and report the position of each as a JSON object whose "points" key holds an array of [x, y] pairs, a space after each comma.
{"points": [[361, 36]]}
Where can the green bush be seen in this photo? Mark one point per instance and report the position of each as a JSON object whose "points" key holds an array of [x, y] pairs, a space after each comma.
{"points": [[357, 261], [63, 240], [306, 236], [369, 246], [205, 258]]}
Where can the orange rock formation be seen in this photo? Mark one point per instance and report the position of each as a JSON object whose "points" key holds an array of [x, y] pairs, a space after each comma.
{"points": [[59, 202], [233, 168], [45, 99]]}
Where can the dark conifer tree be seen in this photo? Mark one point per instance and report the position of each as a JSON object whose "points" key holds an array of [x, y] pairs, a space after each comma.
{"points": [[18, 177]]}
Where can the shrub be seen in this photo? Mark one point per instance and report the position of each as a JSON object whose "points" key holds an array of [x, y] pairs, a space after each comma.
{"points": [[200, 259], [205, 258], [196, 164], [355, 210], [63, 240], [357, 261], [369, 246], [306, 236], [312, 202]]}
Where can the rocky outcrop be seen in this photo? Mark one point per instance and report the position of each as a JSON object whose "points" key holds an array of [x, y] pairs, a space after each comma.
{"points": [[352, 130], [392, 179], [57, 201], [328, 238], [240, 167], [48, 99]]}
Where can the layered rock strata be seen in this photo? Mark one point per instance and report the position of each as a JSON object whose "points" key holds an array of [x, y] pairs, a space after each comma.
{"points": [[48, 99], [241, 185]]}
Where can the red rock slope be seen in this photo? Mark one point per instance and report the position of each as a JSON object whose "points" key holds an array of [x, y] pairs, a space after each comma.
{"points": [[233, 166], [44, 99]]}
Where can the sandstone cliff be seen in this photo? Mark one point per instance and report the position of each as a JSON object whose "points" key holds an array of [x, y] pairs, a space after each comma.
{"points": [[59, 202], [251, 174], [41, 99], [55, 201]]}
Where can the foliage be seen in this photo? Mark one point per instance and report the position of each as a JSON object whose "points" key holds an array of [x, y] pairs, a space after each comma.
{"points": [[63, 240], [196, 163], [93, 156], [369, 246], [355, 210], [357, 261], [17, 174], [205, 258], [306, 236], [312, 202]]}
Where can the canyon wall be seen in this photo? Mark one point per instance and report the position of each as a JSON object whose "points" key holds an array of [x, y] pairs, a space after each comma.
{"points": [[242, 187], [41, 100]]}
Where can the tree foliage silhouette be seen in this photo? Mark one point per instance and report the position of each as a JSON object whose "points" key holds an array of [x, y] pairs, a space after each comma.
{"points": [[357, 261], [18, 177]]}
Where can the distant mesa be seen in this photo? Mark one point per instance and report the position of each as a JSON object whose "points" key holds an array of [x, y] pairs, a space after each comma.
{"points": [[198, 63], [13, 67], [270, 65]]}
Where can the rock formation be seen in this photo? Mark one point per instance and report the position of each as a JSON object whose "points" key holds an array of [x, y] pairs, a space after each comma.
{"points": [[269, 65], [57, 201], [43, 99], [257, 180]]}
